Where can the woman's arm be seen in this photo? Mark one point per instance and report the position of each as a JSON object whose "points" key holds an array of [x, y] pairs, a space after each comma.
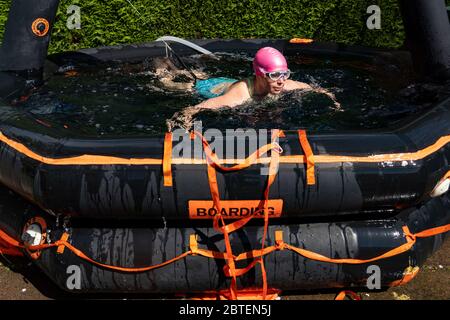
{"points": [[293, 85], [330, 94], [234, 96]]}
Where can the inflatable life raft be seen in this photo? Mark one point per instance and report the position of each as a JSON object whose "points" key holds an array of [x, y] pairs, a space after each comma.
{"points": [[144, 215], [148, 215]]}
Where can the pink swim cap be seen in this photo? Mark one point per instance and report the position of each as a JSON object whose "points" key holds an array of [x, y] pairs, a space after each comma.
{"points": [[269, 59]]}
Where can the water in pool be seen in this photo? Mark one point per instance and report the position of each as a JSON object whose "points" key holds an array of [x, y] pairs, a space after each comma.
{"points": [[128, 99]]}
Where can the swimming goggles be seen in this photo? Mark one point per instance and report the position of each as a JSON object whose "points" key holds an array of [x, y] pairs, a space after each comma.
{"points": [[276, 75]]}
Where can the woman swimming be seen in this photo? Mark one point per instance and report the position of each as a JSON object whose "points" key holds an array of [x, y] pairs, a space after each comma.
{"points": [[271, 78]]}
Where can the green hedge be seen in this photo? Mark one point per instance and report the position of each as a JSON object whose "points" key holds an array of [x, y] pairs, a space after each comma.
{"points": [[109, 22]]}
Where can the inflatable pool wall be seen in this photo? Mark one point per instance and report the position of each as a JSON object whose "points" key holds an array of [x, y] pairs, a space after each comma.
{"points": [[119, 209], [427, 36]]}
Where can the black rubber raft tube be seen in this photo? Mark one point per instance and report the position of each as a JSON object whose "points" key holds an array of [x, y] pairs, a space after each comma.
{"points": [[140, 246]]}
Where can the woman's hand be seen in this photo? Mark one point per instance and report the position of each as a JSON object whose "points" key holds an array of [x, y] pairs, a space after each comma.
{"points": [[183, 118], [337, 105]]}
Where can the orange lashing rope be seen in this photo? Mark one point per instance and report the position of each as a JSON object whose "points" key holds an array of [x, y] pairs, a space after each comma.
{"points": [[64, 237]]}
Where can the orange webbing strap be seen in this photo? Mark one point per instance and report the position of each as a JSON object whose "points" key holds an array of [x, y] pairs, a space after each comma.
{"points": [[64, 237], [281, 245], [263, 204], [247, 162], [409, 274], [256, 253], [81, 255], [212, 163], [87, 159], [7, 249], [212, 178], [12, 245], [63, 242], [230, 267], [410, 241], [432, 232], [167, 160], [264, 276], [273, 170], [206, 253], [9, 241], [309, 157], [242, 271], [341, 295]]}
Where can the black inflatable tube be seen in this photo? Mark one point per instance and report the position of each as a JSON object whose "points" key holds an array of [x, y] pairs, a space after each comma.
{"points": [[139, 246]]}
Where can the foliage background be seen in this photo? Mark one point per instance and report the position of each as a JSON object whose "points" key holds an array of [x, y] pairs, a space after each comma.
{"points": [[110, 22]]}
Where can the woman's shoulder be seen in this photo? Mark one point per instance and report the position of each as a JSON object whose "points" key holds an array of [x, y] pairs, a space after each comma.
{"points": [[238, 92], [244, 82], [243, 85]]}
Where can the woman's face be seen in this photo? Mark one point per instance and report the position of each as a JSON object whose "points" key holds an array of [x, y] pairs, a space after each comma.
{"points": [[274, 86]]}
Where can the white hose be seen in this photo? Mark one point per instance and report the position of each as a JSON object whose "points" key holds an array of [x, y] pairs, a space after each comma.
{"points": [[186, 43]]}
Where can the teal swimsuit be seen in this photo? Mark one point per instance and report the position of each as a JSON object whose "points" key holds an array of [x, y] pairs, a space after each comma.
{"points": [[215, 87]]}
